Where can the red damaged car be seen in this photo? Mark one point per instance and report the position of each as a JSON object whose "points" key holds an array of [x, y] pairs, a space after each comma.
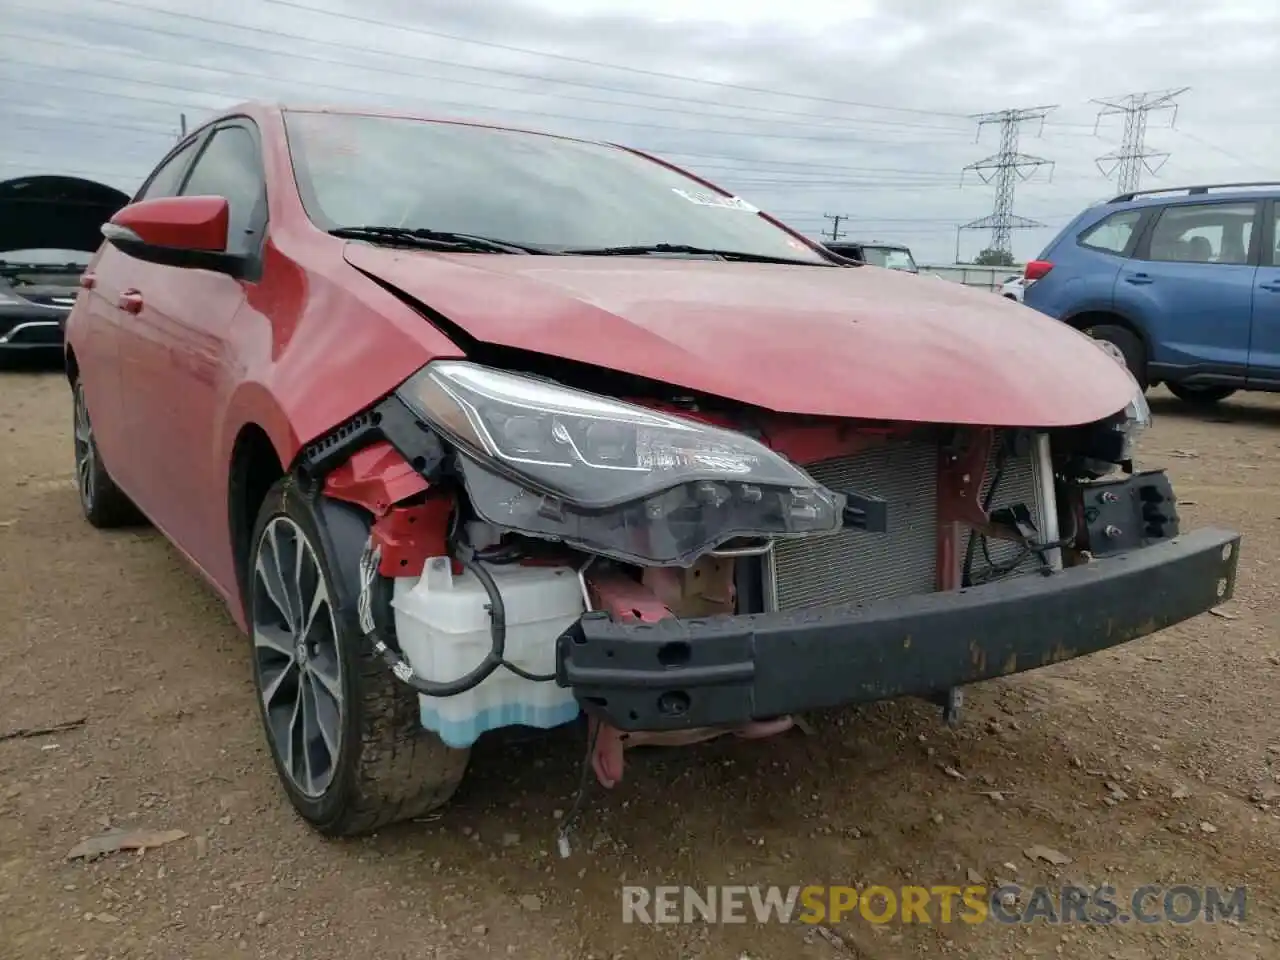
{"points": [[475, 427]]}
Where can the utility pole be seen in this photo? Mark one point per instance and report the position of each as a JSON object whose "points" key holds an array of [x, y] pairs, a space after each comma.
{"points": [[835, 219], [182, 123], [1128, 160], [1005, 168]]}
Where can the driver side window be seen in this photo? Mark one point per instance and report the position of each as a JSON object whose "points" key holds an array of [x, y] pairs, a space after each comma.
{"points": [[230, 166], [167, 178]]}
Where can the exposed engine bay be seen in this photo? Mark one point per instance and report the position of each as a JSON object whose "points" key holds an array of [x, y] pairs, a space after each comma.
{"points": [[508, 507]]}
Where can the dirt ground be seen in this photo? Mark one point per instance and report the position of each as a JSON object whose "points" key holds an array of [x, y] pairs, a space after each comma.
{"points": [[1157, 763]]}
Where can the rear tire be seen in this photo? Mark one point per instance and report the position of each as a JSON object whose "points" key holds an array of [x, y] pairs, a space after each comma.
{"points": [[1199, 396], [101, 501], [344, 733], [1128, 343]]}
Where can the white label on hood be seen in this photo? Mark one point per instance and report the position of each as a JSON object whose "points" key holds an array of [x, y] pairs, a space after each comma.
{"points": [[716, 200]]}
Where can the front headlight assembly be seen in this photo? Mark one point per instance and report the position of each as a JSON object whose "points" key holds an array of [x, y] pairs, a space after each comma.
{"points": [[610, 477], [1136, 417]]}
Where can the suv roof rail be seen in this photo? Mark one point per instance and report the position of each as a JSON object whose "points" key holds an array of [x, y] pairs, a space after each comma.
{"points": [[1192, 191]]}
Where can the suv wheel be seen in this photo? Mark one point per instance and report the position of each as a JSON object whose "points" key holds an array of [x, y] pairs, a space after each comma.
{"points": [[344, 733], [1201, 396], [1128, 343], [102, 502]]}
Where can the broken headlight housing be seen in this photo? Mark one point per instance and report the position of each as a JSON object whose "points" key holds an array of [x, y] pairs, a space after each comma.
{"points": [[610, 477], [1136, 417]]}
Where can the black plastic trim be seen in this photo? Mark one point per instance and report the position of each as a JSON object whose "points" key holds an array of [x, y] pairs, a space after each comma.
{"points": [[677, 674], [389, 420]]}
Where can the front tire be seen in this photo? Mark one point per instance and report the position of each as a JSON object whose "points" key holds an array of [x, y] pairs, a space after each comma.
{"points": [[101, 501], [1128, 343], [1199, 396], [344, 734]]}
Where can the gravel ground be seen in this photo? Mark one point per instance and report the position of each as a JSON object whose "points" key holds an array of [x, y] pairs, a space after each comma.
{"points": [[1156, 763]]}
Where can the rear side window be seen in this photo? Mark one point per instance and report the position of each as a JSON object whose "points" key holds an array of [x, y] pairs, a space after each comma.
{"points": [[230, 166], [167, 178], [1275, 235], [1112, 234], [1204, 233]]}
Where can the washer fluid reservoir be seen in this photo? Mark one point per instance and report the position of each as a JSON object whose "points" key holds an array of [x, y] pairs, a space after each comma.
{"points": [[442, 624]]}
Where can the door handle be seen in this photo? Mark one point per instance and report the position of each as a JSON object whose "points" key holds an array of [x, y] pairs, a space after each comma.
{"points": [[88, 280], [130, 301], [1270, 287], [1137, 279]]}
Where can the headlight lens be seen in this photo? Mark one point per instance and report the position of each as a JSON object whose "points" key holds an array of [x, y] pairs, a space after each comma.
{"points": [[614, 477], [1137, 415]]}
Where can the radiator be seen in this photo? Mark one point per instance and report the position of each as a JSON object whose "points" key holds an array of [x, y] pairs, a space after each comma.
{"points": [[856, 566]]}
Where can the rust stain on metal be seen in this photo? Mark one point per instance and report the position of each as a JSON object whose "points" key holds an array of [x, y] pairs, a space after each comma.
{"points": [[1010, 665], [1141, 629], [978, 656], [1057, 654]]}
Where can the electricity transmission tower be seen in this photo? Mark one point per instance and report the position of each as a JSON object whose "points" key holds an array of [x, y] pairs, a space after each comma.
{"points": [[835, 219], [1005, 168], [1128, 160]]}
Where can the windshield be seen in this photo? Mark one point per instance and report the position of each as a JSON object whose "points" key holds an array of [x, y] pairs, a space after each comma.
{"points": [[522, 188], [895, 258]]}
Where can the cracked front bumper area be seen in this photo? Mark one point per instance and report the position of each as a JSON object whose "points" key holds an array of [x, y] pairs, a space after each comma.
{"points": [[723, 671]]}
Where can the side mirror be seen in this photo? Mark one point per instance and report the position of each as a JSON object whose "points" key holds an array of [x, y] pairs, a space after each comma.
{"points": [[188, 232]]}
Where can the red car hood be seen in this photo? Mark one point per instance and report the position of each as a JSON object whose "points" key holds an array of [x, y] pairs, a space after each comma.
{"points": [[859, 343]]}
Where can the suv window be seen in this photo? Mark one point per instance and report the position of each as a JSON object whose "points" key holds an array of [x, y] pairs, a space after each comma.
{"points": [[1112, 234], [230, 166], [1204, 233], [167, 177], [1275, 235]]}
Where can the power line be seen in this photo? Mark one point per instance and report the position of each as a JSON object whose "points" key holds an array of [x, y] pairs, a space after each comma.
{"points": [[1128, 161], [401, 28], [1006, 167], [416, 75], [346, 90]]}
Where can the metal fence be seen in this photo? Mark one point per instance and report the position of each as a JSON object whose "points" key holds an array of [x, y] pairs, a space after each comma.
{"points": [[985, 278]]}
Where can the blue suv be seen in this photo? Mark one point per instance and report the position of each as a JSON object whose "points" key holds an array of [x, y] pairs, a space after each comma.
{"points": [[1184, 280]]}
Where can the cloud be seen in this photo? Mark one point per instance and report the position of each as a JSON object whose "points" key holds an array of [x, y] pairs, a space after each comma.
{"points": [[856, 107]]}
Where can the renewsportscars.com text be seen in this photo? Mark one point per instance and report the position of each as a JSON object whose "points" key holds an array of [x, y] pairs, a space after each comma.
{"points": [[944, 904]]}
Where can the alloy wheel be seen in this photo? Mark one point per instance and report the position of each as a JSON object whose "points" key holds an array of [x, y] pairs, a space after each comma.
{"points": [[298, 668], [85, 454]]}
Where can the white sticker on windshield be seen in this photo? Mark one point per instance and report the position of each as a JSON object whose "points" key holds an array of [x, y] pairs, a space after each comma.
{"points": [[716, 200]]}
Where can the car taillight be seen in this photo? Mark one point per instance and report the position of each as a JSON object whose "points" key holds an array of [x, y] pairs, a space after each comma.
{"points": [[1036, 269]]}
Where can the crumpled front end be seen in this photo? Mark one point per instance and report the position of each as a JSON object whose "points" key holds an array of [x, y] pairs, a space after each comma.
{"points": [[679, 571]]}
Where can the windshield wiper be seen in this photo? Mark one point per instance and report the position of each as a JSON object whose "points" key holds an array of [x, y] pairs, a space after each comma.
{"points": [[638, 249], [431, 239]]}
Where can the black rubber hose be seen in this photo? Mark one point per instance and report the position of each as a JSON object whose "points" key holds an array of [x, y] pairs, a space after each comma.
{"points": [[966, 577]]}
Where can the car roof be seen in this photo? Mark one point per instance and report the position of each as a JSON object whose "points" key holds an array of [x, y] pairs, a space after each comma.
{"points": [[1199, 193], [260, 108]]}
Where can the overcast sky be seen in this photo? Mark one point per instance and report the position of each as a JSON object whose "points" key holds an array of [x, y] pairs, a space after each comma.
{"points": [[868, 113]]}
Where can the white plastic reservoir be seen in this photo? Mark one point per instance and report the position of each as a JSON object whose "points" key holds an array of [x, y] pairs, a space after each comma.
{"points": [[442, 624]]}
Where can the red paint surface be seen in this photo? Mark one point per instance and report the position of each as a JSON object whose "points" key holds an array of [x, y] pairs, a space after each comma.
{"points": [[186, 223], [313, 341], [408, 536], [851, 343], [375, 478]]}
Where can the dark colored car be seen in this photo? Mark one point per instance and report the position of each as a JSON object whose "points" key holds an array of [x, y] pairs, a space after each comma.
{"points": [[49, 228], [892, 256], [1185, 281], [474, 427]]}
